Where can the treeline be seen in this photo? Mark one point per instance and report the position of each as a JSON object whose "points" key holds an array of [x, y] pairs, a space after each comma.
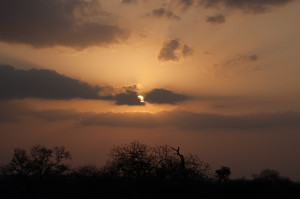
{"points": [[133, 170]]}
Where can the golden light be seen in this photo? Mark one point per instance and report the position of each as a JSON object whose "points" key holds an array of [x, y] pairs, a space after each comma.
{"points": [[141, 98]]}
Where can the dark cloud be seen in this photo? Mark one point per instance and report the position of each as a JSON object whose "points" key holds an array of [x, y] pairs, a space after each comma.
{"points": [[187, 51], [163, 96], [216, 19], [242, 58], [45, 84], [43, 23], [185, 3], [253, 57], [131, 87], [129, 1], [252, 6], [130, 98], [171, 50], [48, 84], [167, 53], [162, 12]]}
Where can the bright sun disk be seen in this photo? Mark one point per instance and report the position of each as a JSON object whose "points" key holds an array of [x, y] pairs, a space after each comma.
{"points": [[141, 98]]}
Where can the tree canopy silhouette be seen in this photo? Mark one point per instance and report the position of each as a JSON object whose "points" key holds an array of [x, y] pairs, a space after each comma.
{"points": [[223, 174], [137, 159], [134, 170], [39, 162], [270, 176]]}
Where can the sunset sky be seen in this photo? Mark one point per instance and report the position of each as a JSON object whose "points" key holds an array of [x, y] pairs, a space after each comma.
{"points": [[219, 78]]}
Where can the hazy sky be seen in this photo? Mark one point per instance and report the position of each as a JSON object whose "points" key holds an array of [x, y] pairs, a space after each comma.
{"points": [[220, 78]]}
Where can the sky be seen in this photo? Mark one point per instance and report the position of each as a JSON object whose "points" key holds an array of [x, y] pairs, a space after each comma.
{"points": [[219, 78]]}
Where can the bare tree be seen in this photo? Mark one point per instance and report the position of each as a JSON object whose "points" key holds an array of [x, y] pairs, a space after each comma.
{"points": [[166, 162], [182, 161], [196, 168], [39, 162], [136, 159]]}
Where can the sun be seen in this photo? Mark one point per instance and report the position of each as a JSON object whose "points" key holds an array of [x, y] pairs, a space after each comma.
{"points": [[141, 98]]}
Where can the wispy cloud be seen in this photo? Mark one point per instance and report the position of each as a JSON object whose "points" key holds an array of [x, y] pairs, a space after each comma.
{"points": [[176, 118], [163, 13], [216, 19]]}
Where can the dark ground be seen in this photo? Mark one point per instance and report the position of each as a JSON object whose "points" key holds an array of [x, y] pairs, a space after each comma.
{"points": [[76, 186]]}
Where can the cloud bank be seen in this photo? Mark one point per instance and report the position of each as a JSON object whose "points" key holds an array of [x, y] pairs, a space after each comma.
{"points": [[182, 120], [45, 84], [48, 84], [14, 112], [128, 98], [43, 23], [163, 96], [250, 6], [128, 1]]}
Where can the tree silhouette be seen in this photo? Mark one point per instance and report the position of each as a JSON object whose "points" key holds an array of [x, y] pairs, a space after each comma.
{"points": [[223, 174], [269, 176], [88, 171], [131, 160], [136, 159], [40, 162], [196, 168]]}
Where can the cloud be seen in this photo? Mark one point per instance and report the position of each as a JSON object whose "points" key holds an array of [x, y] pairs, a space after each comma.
{"points": [[163, 96], [130, 98], [236, 65], [129, 1], [251, 6], [186, 120], [73, 23], [163, 13], [187, 51], [14, 112], [253, 57], [242, 58], [216, 19], [185, 3], [169, 51], [46, 84]]}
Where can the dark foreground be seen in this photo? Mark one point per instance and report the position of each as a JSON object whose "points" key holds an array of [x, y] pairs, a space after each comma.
{"points": [[76, 186]]}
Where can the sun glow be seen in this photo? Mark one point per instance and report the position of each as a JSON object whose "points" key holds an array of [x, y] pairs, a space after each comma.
{"points": [[141, 98]]}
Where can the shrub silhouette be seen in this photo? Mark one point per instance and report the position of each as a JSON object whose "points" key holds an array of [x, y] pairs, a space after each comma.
{"points": [[40, 162], [223, 174], [269, 176]]}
